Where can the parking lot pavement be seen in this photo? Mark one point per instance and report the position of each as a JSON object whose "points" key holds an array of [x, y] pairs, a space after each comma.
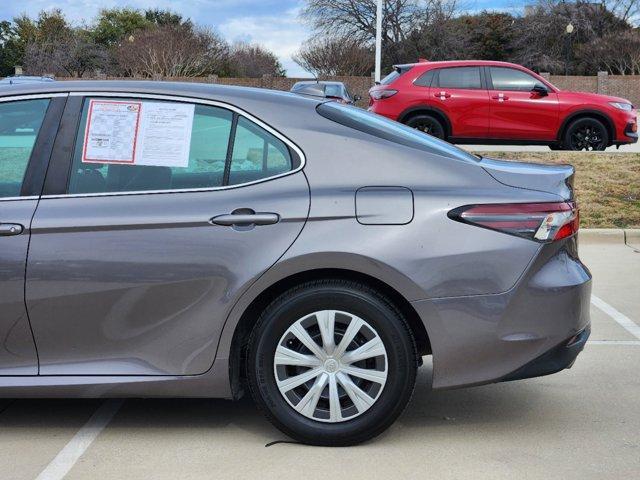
{"points": [[581, 423], [632, 148]]}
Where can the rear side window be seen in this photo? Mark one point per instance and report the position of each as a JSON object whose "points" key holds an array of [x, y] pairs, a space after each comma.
{"points": [[256, 154], [425, 79], [20, 123], [460, 77], [511, 79], [396, 132], [169, 146]]}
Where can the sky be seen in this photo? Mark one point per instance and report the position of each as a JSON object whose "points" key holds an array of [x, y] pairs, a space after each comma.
{"points": [[274, 24]]}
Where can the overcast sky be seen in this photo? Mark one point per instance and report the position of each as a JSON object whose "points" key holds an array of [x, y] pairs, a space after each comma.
{"points": [[271, 23]]}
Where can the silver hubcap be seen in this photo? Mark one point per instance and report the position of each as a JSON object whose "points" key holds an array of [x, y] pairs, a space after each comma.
{"points": [[330, 366]]}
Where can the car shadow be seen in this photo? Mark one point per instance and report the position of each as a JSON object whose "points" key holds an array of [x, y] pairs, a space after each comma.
{"points": [[480, 406]]}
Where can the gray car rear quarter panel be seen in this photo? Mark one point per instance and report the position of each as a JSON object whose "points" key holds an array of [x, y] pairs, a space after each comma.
{"points": [[430, 258]]}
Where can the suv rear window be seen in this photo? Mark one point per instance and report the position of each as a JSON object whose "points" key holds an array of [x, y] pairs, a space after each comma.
{"points": [[381, 127], [397, 72]]}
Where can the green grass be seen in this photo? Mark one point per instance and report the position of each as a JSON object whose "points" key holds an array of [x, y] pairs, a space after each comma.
{"points": [[607, 184]]}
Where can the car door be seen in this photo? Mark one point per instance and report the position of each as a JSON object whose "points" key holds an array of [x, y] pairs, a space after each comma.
{"points": [[134, 265], [517, 112], [26, 135], [460, 94]]}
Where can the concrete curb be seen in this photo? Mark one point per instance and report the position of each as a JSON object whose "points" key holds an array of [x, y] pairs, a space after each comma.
{"points": [[597, 236]]}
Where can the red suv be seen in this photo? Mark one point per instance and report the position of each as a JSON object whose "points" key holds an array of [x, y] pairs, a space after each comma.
{"points": [[501, 103]]}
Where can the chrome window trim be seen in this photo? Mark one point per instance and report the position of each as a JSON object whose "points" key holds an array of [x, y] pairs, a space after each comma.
{"points": [[27, 96], [199, 101], [32, 96], [17, 199]]}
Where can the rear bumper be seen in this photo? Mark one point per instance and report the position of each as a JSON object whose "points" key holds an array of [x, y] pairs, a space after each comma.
{"points": [[555, 360], [484, 339]]}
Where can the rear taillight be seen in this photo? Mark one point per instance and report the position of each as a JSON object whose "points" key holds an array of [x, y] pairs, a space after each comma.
{"points": [[381, 94], [542, 222]]}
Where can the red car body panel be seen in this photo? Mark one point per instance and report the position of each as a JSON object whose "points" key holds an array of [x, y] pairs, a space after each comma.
{"points": [[497, 115]]}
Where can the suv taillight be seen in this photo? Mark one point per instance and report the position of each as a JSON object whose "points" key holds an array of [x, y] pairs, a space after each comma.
{"points": [[381, 94], [542, 222]]}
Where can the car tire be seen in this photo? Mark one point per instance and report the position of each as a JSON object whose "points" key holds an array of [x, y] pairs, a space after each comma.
{"points": [[586, 134], [556, 146], [428, 124], [347, 417]]}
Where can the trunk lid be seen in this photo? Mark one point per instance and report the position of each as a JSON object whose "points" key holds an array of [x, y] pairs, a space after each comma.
{"points": [[557, 179]]}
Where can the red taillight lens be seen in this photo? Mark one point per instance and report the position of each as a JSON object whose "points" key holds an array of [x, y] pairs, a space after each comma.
{"points": [[381, 94], [542, 222]]}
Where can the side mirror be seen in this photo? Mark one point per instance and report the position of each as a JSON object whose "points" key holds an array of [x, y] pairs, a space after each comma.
{"points": [[540, 90]]}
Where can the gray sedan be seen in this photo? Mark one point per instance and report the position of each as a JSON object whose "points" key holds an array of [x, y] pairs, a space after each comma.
{"points": [[162, 239]]}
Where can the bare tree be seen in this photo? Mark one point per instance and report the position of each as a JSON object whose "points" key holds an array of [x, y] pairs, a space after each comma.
{"points": [[618, 53], [171, 51], [327, 56], [71, 55], [246, 60], [627, 10]]}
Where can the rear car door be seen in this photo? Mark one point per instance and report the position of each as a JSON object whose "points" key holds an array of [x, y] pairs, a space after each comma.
{"points": [[134, 265], [27, 128], [459, 92], [516, 111]]}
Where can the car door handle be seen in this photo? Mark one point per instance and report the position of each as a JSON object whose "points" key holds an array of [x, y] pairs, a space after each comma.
{"points": [[442, 95], [245, 219], [10, 229], [501, 97]]}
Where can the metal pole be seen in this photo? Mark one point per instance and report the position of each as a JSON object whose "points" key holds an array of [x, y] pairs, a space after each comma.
{"points": [[378, 40]]}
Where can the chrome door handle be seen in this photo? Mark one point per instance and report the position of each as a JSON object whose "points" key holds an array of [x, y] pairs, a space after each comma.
{"points": [[10, 229], [245, 219]]}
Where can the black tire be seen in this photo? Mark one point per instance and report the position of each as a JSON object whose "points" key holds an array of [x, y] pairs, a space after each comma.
{"points": [[355, 299], [428, 124], [586, 134], [556, 146]]}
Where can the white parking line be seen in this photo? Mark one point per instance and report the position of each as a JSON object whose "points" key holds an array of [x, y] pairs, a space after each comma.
{"points": [[621, 318], [71, 453]]}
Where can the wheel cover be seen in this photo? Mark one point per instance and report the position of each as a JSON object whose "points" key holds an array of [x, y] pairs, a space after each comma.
{"points": [[330, 366], [587, 137]]}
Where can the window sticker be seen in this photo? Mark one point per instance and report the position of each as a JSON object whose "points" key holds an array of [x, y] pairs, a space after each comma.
{"points": [[136, 133], [112, 128]]}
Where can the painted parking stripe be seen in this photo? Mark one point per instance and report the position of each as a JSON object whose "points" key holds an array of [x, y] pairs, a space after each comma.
{"points": [[619, 317], [71, 453]]}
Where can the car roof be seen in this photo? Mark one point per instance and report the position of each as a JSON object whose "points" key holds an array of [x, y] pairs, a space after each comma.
{"points": [[321, 82], [14, 80], [460, 63]]}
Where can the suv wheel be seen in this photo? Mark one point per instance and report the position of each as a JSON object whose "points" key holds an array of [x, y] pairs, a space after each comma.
{"points": [[331, 363], [586, 134], [427, 124]]}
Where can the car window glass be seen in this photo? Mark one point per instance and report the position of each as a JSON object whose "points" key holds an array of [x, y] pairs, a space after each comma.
{"points": [[20, 123], [425, 79], [396, 132], [333, 91], [210, 134], [462, 77], [257, 154], [511, 79]]}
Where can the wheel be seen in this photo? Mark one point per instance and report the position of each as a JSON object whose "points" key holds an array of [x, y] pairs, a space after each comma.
{"points": [[427, 124], [331, 362], [586, 134]]}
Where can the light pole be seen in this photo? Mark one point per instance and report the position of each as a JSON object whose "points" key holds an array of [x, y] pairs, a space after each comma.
{"points": [[568, 32], [378, 40]]}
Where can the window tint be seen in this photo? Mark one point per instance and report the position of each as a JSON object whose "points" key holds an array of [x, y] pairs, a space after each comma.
{"points": [[211, 129], [20, 123], [511, 79], [425, 79], [395, 74], [256, 154], [462, 77], [382, 127]]}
